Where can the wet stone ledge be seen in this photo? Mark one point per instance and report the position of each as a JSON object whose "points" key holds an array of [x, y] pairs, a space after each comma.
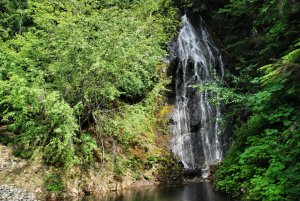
{"points": [[11, 193]]}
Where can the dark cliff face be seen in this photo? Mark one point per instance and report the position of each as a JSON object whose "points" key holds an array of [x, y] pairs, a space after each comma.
{"points": [[200, 5], [194, 62], [195, 123], [227, 59]]}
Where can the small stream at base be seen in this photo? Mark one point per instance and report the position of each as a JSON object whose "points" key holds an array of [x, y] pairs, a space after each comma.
{"points": [[193, 191]]}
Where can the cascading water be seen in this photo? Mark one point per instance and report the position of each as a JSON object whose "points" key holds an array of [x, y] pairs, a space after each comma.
{"points": [[196, 121]]}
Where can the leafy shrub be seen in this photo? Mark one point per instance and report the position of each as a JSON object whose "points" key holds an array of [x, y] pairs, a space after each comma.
{"points": [[54, 183], [58, 69], [265, 154], [40, 118], [86, 148]]}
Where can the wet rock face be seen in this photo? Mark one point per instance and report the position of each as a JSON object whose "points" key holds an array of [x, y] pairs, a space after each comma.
{"points": [[11, 193], [196, 62], [190, 174]]}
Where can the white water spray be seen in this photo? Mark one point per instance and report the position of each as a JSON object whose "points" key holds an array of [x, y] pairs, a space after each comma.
{"points": [[196, 121]]}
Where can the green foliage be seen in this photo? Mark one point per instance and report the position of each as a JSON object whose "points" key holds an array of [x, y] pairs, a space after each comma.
{"points": [[40, 118], [13, 18], [128, 125], [86, 148], [119, 167], [264, 37], [64, 62], [84, 67], [54, 183], [256, 33], [170, 169], [223, 94], [266, 149]]}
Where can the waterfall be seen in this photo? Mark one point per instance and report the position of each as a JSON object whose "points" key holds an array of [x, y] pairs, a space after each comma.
{"points": [[196, 121]]}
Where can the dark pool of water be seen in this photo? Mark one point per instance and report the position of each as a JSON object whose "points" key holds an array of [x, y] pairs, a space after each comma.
{"points": [[186, 192]]}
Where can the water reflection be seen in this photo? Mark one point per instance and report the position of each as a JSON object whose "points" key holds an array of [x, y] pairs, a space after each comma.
{"points": [[186, 192]]}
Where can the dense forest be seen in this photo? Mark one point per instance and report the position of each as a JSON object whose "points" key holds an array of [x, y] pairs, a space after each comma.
{"points": [[262, 42], [84, 83]]}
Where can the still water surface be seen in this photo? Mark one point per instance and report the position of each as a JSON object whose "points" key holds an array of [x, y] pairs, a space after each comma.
{"points": [[186, 192]]}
